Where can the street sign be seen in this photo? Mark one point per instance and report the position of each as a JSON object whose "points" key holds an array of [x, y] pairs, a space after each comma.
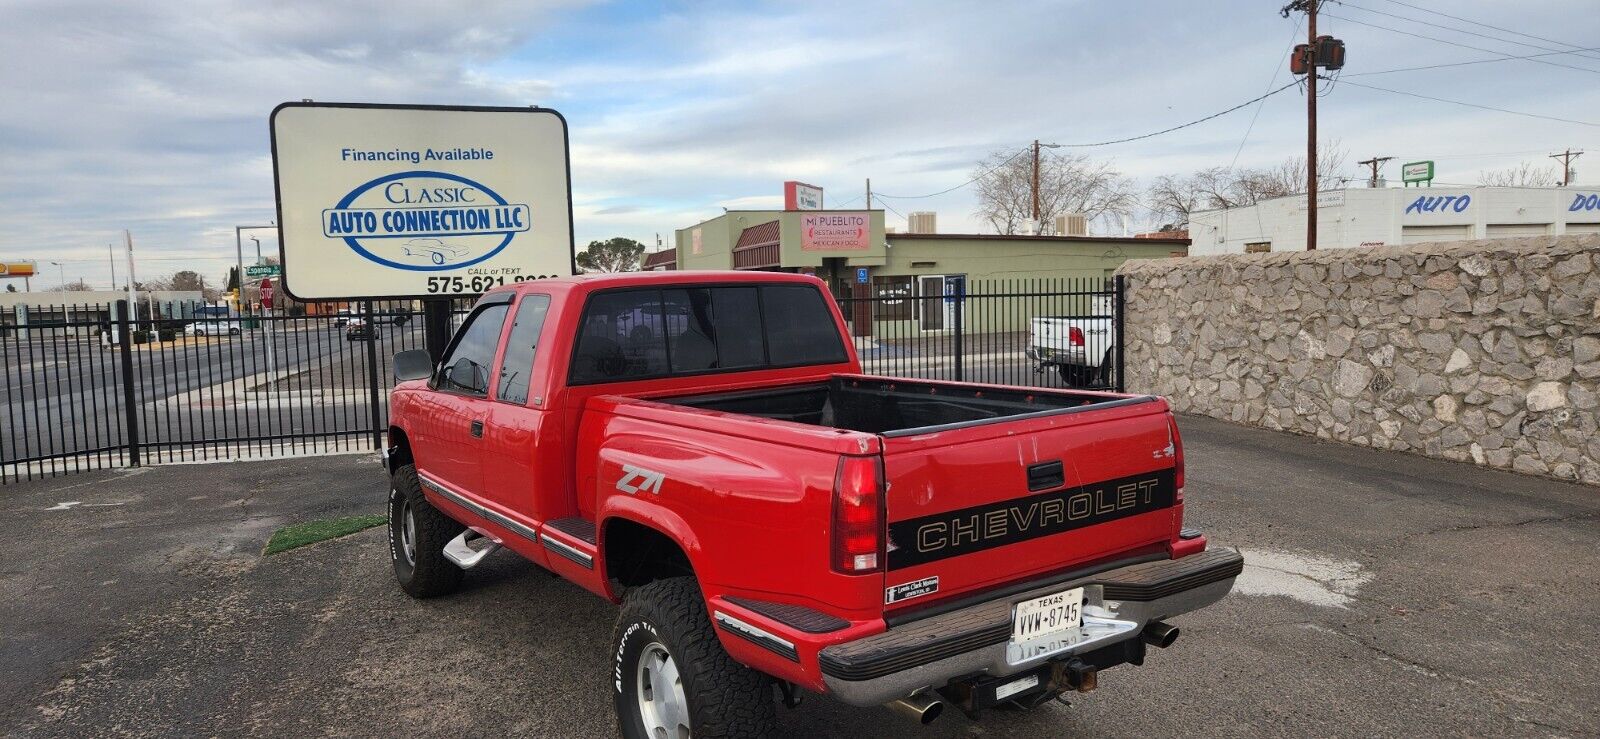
{"points": [[1416, 172], [861, 275], [393, 201], [266, 293], [262, 270]]}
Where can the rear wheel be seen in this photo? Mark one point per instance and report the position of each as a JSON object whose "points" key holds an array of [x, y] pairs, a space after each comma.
{"points": [[417, 535], [672, 677], [1075, 375]]}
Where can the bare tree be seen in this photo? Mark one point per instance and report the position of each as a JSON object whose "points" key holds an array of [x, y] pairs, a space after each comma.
{"points": [[1522, 175], [76, 286], [1174, 198], [1071, 183]]}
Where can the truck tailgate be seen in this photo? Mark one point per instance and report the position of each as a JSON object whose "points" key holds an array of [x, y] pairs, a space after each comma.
{"points": [[983, 506]]}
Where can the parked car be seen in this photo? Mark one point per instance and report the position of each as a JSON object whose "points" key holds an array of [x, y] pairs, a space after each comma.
{"points": [[773, 521], [1080, 348], [344, 316], [358, 329], [213, 327]]}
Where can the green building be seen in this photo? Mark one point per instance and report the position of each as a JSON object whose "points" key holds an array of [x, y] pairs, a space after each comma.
{"points": [[857, 257]]}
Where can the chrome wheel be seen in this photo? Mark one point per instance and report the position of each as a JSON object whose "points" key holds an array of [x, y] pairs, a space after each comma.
{"points": [[663, 707], [408, 533]]}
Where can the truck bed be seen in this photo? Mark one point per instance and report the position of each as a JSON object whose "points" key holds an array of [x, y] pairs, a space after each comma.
{"points": [[894, 407]]}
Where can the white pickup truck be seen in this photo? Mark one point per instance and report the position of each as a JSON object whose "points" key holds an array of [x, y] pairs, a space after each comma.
{"points": [[1079, 347]]}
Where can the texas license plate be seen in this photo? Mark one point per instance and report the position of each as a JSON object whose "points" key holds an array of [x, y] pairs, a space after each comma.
{"points": [[1046, 624]]}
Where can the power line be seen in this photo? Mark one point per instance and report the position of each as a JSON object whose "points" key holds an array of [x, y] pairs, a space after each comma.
{"points": [[1277, 69], [1185, 125], [1475, 105], [1463, 64], [990, 171], [1443, 27], [1486, 25], [1456, 44]]}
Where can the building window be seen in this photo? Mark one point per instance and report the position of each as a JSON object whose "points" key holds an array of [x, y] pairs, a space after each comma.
{"points": [[1257, 247], [894, 297]]}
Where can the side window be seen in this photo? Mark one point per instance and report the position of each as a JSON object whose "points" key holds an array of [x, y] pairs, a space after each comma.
{"points": [[517, 363], [466, 368], [623, 335], [800, 328], [737, 314]]}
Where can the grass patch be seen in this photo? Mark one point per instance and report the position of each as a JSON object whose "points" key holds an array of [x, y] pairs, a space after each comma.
{"points": [[311, 532]]}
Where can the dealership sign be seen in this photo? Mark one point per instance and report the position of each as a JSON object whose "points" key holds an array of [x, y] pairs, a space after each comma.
{"points": [[836, 231], [380, 201], [1416, 172], [800, 196], [1584, 202], [1440, 204]]}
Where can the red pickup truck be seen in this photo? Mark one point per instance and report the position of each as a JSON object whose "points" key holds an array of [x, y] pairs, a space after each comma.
{"points": [[703, 449]]}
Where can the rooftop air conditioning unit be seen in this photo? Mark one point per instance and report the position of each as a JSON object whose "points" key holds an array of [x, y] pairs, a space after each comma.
{"points": [[922, 222], [1072, 224]]}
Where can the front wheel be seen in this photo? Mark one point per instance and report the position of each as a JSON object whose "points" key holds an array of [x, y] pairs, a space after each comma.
{"points": [[672, 678], [417, 535]]}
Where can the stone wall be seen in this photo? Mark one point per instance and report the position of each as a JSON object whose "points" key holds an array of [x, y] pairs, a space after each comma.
{"points": [[1478, 351]]}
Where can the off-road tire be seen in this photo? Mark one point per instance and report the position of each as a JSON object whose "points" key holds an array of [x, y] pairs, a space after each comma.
{"points": [[726, 699], [430, 574]]}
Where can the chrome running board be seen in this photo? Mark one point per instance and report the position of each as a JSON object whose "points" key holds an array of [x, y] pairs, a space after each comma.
{"points": [[460, 551]]}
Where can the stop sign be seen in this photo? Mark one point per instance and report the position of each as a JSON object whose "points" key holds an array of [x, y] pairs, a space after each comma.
{"points": [[266, 292]]}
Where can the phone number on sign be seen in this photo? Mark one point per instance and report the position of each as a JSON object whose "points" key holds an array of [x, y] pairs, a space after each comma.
{"points": [[476, 283]]}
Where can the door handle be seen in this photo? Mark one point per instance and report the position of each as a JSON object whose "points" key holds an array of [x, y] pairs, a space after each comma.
{"points": [[477, 429]]}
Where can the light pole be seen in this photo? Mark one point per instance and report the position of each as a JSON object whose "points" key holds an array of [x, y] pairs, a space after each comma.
{"points": [[258, 248], [238, 245], [63, 275]]}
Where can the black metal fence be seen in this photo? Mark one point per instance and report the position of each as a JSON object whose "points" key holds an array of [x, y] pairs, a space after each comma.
{"points": [[1041, 333], [93, 387]]}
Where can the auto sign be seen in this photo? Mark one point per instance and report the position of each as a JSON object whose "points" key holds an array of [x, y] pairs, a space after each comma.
{"points": [[386, 201]]}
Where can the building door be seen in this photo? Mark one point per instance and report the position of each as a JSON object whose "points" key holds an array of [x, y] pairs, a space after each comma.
{"points": [[1424, 234], [930, 304], [1509, 230]]}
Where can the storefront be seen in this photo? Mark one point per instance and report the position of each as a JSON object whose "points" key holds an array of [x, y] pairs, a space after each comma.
{"points": [[857, 257], [1397, 215]]}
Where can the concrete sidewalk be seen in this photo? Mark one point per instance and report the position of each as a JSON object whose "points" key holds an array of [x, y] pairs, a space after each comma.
{"points": [[1386, 595]]}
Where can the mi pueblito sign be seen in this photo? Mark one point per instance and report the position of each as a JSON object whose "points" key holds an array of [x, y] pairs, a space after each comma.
{"points": [[392, 201]]}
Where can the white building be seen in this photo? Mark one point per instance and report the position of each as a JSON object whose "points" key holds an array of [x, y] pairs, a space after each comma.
{"points": [[1396, 215]]}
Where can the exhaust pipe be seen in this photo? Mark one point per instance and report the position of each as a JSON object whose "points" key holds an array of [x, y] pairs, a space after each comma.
{"points": [[1159, 634], [921, 707]]}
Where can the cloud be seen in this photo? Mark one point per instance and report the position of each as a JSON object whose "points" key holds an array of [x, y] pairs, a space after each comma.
{"points": [[152, 115]]}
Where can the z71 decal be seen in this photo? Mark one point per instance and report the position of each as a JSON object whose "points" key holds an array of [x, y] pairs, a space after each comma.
{"points": [[635, 479]]}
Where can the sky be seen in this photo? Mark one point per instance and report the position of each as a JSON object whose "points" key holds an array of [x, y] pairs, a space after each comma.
{"points": [[151, 116]]}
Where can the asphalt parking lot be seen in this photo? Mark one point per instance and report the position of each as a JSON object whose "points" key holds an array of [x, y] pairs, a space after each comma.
{"points": [[1387, 595]]}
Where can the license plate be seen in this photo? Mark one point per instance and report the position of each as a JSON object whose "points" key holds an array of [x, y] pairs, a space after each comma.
{"points": [[1046, 624]]}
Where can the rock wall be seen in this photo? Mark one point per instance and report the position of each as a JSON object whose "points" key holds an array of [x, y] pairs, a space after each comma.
{"points": [[1477, 351]]}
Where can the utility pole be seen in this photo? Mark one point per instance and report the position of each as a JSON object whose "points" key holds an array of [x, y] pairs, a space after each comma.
{"points": [[869, 193], [133, 298], [111, 255], [1566, 158], [1038, 227], [1036, 187], [1374, 163], [1311, 128], [1317, 52]]}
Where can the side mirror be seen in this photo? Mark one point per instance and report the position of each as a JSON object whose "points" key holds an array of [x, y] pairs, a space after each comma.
{"points": [[413, 364]]}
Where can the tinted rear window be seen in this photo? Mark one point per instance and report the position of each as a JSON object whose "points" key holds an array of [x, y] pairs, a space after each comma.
{"points": [[636, 334]]}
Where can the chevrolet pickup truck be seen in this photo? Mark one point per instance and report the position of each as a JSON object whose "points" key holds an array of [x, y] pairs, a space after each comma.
{"points": [[702, 448]]}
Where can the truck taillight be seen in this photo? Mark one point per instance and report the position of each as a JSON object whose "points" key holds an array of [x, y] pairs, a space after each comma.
{"points": [[1075, 336], [857, 516], [1176, 441]]}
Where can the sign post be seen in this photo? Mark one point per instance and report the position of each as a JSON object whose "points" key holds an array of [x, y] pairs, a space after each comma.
{"points": [[1417, 172], [419, 202]]}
